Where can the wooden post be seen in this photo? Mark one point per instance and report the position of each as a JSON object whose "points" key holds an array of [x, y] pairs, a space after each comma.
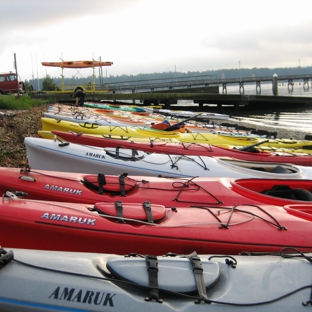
{"points": [[15, 64], [275, 84]]}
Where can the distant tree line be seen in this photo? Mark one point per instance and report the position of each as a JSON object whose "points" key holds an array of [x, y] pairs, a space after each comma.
{"points": [[49, 83]]}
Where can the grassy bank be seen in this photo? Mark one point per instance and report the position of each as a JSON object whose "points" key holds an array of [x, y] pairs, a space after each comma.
{"points": [[21, 102]]}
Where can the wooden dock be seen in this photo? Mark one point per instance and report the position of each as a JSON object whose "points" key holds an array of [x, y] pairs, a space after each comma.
{"points": [[204, 100], [190, 82]]}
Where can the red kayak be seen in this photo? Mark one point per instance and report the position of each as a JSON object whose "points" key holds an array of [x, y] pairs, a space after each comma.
{"points": [[92, 188], [146, 228], [182, 192], [274, 191], [246, 153]]}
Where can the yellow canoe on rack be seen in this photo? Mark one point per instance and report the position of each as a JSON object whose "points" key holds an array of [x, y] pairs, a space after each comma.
{"points": [[132, 133]]}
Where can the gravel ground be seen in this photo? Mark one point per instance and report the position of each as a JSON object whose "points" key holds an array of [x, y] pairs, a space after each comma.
{"points": [[14, 127]]}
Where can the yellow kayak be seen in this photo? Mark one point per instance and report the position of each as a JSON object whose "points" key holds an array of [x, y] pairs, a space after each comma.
{"points": [[133, 133], [49, 124], [239, 140]]}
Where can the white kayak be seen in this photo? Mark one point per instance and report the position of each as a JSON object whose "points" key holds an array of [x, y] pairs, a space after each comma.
{"points": [[102, 121], [59, 155], [37, 280], [188, 114]]}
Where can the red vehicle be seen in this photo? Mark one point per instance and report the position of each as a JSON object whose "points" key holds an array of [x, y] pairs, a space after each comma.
{"points": [[9, 83]]}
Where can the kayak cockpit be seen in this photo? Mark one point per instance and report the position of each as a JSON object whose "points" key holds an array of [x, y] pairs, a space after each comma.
{"points": [[274, 191], [282, 169], [125, 154]]}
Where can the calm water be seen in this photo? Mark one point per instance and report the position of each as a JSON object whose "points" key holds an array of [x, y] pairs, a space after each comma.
{"points": [[292, 119]]}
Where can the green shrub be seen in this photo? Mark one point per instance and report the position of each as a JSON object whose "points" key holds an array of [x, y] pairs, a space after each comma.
{"points": [[23, 102]]}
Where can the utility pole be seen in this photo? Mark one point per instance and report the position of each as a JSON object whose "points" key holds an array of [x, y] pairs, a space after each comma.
{"points": [[17, 82]]}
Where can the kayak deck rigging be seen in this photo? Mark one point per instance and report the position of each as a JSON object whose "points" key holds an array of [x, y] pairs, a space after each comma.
{"points": [[125, 184], [105, 210]]}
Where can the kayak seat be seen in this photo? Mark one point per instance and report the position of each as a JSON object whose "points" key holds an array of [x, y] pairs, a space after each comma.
{"points": [[308, 137], [307, 147], [115, 185], [265, 133], [303, 194], [125, 154], [280, 169], [251, 149], [284, 191], [228, 125], [258, 168]]}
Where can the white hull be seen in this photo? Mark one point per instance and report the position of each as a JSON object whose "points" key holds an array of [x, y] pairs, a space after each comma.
{"points": [[66, 281], [188, 114], [62, 156], [100, 121]]}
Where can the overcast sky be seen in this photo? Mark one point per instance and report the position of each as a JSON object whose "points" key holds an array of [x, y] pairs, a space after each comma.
{"points": [[147, 36]]}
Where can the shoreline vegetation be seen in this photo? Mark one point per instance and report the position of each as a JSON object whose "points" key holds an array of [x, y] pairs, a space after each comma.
{"points": [[21, 117]]}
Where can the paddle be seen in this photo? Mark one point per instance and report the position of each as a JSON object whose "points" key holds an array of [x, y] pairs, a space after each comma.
{"points": [[246, 148], [176, 126]]}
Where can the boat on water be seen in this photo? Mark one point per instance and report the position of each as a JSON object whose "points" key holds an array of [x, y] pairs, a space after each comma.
{"points": [[64, 156], [77, 64], [231, 139], [250, 153], [37, 280], [118, 227], [183, 192]]}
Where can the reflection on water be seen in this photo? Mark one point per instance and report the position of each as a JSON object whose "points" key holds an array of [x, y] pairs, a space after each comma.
{"points": [[289, 118], [292, 119]]}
